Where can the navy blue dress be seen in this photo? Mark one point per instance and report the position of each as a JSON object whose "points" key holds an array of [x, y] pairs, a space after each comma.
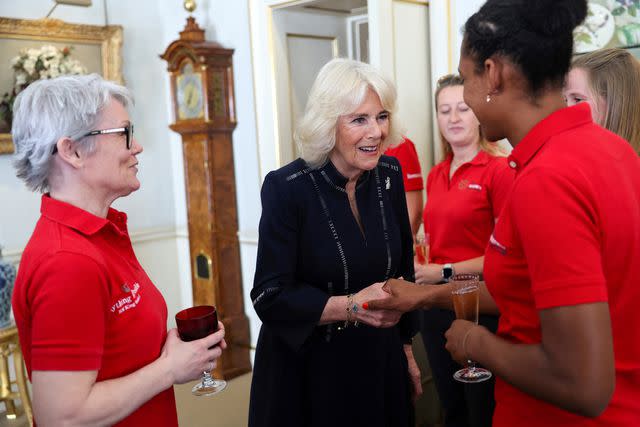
{"points": [[311, 248]]}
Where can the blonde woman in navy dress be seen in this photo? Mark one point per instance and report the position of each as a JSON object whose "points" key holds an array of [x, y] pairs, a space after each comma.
{"points": [[334, 228]]}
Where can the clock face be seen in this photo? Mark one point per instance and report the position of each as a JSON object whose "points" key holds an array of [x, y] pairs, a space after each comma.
{"points": [[189, 94]]}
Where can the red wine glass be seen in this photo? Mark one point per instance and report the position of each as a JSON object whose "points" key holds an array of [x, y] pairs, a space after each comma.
{"points": [[195, 323]]}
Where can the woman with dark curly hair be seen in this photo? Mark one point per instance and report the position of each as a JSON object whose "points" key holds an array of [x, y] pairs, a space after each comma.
{"points": [[562, 264]]}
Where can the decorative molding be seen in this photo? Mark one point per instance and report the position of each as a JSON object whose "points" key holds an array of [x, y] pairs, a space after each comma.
{"points": [[144, 235], [157, 233], [248, 237]]}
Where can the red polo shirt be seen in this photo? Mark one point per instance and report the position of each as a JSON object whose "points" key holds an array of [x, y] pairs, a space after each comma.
{"points": [[406, 154], [83, 302], [461, 211], [569, 234]]}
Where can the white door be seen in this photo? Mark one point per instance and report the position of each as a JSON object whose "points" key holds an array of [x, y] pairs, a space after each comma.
{"points": [[304, 42]]}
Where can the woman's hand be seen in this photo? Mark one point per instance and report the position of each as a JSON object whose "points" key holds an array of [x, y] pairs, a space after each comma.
{"points": [[428, 274], [458, 337], [414, 373], [188, 360], [383, 318], [401, 296]]}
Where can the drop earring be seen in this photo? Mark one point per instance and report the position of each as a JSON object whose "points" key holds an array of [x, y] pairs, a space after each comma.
{"points": [[488, 98]]}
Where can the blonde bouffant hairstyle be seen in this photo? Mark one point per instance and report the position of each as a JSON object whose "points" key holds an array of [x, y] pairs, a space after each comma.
{"points": [[340, 87], [614, 75]]}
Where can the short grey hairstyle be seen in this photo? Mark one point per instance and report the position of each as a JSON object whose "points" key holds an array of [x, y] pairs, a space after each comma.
{"points": [[48, 110], [339, 88]]}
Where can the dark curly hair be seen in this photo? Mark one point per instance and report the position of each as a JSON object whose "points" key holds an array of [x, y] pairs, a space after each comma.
{"points": [[536, 35]]}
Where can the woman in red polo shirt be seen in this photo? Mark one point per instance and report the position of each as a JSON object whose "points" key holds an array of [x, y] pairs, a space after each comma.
{"points": [[562, 265], [92, 325], [465, 193]]}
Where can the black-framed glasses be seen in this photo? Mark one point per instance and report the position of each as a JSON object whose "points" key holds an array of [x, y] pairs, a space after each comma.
{"points": [[126, 130]]}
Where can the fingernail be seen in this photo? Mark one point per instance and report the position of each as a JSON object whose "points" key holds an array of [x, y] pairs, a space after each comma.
{"points": [[365, 305]]}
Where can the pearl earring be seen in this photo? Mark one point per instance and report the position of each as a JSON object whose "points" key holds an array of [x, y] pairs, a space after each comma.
{"points": [[488, 98]]}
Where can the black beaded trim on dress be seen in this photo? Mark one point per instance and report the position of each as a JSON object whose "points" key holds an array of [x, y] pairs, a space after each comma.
{"points": [[389, 166], [336, 187], [334, 232], [385, 229], [326, 178], [264, 293], [297, 174]]}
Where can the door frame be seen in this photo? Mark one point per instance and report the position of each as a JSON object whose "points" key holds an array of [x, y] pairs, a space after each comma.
{"points": [[263, 53]]}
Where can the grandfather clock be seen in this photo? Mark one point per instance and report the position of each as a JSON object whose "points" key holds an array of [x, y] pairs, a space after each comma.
{"points": [[204, 115]]}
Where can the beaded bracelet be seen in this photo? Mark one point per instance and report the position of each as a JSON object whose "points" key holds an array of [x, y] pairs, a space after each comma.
{"points": [[351, 309]]}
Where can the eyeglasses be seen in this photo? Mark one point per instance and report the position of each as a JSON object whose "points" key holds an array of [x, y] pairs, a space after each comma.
{"points": [[127, 130]]}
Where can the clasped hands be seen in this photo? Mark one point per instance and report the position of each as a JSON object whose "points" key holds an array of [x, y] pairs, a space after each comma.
{"points": [[380, 318], [402, 296]]}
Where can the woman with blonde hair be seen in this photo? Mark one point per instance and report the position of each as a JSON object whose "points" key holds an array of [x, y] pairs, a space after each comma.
{"points": [[465, 193], [334, 228], [609, 81]]}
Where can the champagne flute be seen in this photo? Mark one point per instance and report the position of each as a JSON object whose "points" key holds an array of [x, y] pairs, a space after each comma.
{"points": [[421, 248], [195, 323], [466, 300]]}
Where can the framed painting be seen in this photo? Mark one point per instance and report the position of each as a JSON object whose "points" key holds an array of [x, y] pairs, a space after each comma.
{"points": [[96, 48], [609, 23]]}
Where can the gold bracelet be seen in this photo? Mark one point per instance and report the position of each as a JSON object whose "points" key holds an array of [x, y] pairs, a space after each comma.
{"points": [[351, 309]]}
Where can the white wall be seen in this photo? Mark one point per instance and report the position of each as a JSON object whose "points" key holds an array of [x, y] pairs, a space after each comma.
{"points": [[157, 212]]}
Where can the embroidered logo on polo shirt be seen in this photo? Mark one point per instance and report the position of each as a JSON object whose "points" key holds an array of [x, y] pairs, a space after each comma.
{"points": [[127, 302], [413, 175], [463, 184], [497, 245], [476, 187]]}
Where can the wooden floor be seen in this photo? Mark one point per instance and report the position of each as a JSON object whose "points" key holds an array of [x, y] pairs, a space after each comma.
{"points": [[230, 408]]}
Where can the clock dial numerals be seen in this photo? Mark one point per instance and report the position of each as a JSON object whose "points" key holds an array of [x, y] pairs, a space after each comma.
{"points": [[189, 94]]}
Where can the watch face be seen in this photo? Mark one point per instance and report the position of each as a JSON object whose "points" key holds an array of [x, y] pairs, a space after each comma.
{"points": [[447, 271], [189, 97]]}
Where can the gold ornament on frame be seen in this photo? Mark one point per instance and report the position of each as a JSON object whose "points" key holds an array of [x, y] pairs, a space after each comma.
{"points": [[190, 5]]}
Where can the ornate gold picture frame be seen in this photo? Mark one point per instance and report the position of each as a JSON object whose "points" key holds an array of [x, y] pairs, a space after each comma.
{"points": [[97, 47]]}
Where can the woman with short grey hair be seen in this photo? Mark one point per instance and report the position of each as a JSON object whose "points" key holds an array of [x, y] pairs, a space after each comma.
{"points": [[46, 117], [92, 325], [334, 228]]}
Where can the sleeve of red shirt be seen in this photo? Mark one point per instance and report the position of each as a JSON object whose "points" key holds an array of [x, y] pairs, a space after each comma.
{"points": [[501, 183], [557, 225], [407, 155], [69, 303]]}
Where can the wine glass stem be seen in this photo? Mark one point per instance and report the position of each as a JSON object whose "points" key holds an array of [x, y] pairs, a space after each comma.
{"points": [[207, 380]]}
